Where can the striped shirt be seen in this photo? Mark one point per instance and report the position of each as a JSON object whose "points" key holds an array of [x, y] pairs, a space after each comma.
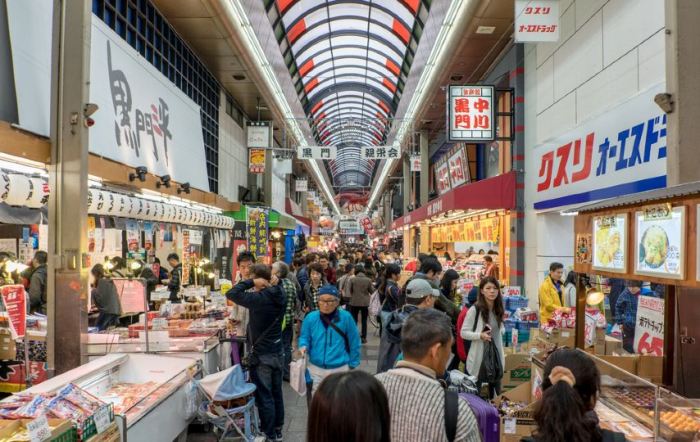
{"points": [[417, 407]]}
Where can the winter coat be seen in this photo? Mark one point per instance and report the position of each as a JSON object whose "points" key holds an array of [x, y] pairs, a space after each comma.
{"points": [[476, 351], [37, 290], [360, 289], [549, 299], [106, 298], [390, 341], [325, 346]]}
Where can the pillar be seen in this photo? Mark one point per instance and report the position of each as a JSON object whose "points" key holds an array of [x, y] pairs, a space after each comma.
{"points": [[682, 72], [267, 178], [406, 184], [387, 211], [67, 288], [424, 168]]}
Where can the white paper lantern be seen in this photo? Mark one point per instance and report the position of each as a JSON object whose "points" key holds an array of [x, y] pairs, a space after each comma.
{"points": [[219, 221], [111, 203], [4, 186], [93, 196], [231, 223], [147, 209], [137, 208], [120, 204], [39, 193], [188, 216], [19, 190], [158, 212], [101, 202]]}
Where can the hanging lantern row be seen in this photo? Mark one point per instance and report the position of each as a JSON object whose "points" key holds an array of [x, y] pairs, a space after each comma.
{"points": [[21, 190], [103, 202]]}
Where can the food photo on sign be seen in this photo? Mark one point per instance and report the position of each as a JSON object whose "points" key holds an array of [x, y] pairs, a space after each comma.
{"points": [[660, 241], [610, 243]]}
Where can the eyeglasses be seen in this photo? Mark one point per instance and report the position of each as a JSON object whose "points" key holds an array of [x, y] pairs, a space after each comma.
{"points": [[329, 301]]}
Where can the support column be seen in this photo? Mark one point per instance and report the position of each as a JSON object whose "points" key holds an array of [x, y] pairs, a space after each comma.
{"points": [[387, 211], [406, 184], [682, 72], [267, 178], [424, 168], [67, 288]]}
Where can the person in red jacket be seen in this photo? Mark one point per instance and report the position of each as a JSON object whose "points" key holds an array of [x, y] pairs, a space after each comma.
{"points": [[328, 271]]}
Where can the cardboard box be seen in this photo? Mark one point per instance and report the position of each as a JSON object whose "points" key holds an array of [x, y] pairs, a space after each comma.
{"points": [[523, 423], [650, 368], [517, 371], [612, 345], [626, 363], [8, 348], [111, 434]]}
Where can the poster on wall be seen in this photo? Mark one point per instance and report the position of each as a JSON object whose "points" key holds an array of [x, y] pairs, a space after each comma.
{"points": [[258, 232], [256, 160], [459, 168], [610, 243], [649, 326], [660, 241], [583, 248]]}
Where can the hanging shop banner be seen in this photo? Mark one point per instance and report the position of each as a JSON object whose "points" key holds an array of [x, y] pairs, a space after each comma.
{"points": [[459, 168], [240, 230], [301, 185], [142, 119], [148, 236], [536, 21], [350, 227], [186, 255], [470, 115], [258, 225], [660, 241], [379, 152], [442, 176], [133, 236], [256, 160], [132, 294], [415, 163], [649, 326], [620, 152], [317, 152], [610, 243], [15, 300], [258, 134]]}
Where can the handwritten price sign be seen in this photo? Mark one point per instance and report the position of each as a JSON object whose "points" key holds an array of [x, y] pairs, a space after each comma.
{"points": [[649, 326]]}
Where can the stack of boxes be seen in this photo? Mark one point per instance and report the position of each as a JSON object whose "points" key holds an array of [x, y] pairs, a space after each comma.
{"points": [[519, 320]]}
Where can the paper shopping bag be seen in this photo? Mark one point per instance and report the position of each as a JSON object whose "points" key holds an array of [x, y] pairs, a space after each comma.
{"points": [[297, 377]]}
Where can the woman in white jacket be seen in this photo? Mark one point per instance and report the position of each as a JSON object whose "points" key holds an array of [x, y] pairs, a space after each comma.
{"points": [[484, 323]]}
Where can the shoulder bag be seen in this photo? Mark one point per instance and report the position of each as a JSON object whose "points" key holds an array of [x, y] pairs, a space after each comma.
{"points": [[251, 360]]}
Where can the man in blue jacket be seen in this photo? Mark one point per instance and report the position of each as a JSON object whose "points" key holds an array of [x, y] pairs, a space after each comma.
{"points": [[266, 305], [330, 337]]}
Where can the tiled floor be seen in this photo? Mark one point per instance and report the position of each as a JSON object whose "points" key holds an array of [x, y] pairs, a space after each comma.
{"points": [[295, 406]]}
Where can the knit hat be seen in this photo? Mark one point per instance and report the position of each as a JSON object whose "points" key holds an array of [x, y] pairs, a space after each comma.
{"points": [[420, 288], [328, 290]]}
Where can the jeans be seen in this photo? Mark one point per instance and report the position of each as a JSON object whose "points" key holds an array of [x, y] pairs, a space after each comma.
{"points": [[355, 312], [287, 337], [106, 320], [267, 377]]}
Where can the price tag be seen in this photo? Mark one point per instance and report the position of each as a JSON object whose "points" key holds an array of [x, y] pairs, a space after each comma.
{"points": [[565, 334], [39, 429], [509, 425], [102, 419]]}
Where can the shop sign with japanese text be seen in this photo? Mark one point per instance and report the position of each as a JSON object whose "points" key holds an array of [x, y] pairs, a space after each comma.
{"points": [[620, 152], [459, 168], [301, 185], [316, 152], [470, 113], [256, 160], [442, 175], [258, 231], [415, 163], [258, 134], [649, 326], [379, 152], [536, 20]]}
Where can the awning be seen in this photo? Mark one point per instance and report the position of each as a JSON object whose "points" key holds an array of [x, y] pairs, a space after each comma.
{"points": [[492, 193], [294, 209], [280, 220]]}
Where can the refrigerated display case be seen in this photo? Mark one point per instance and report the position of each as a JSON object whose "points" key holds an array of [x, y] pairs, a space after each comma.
{"points": [[146, 390], [678, 419]]}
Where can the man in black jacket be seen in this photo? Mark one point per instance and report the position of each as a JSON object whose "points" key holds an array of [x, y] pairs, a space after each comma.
{"points": [[175, 277], [266, 305], [37, 283]]}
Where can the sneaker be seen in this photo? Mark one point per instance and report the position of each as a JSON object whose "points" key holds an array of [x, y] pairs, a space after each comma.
{"points": [[364, 340], [278, 436]]}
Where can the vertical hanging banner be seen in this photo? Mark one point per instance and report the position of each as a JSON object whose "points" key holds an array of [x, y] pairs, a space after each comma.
{"points": [[258, 231], [415, 163], [536, 21], [442, 175], [15, 301], [317, 152], [301, 185], [186, 254], [470, 113], [459, 168], [256, 160], [258, 134]]}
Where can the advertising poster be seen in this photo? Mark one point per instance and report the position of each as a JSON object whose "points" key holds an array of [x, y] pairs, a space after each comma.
{"points": [[132, 236], [443, 178], [459, 169], [610, 243], [660, 242], [649, 326], [148, 234], [132, 294], [15, 301], [91, 234], [256, 160], [258, 231], [583, 248]]}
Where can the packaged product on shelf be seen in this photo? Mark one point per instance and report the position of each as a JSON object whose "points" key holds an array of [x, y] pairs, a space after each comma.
{"points": [[76, 395], [32, 409]]}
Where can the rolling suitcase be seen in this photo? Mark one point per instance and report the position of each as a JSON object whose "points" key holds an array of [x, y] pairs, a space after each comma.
{"points": [[486, 417]]}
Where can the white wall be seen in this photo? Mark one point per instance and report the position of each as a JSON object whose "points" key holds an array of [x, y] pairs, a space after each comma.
{"points": [[609, 51], [233, 156]]}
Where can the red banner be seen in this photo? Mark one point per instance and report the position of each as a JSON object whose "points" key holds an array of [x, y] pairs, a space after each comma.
{"points": [[15, 300]]}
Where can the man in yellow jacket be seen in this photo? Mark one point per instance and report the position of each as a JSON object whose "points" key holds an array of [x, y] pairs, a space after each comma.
{"points": [[550, 292]]}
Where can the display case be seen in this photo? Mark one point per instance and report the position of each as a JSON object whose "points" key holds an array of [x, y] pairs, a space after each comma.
{"points": [[206, 347], [678, 419], [146, 390]]}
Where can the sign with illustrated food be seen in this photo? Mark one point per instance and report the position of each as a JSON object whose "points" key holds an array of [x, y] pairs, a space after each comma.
{"points": [[660, 241], [610, 243]]}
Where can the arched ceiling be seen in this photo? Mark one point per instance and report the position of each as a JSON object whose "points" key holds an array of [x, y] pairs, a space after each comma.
{"points": [[349, 61]]}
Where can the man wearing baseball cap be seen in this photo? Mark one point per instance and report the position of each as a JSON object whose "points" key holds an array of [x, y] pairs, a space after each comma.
{"points": [[330, 338], [419, 295]]}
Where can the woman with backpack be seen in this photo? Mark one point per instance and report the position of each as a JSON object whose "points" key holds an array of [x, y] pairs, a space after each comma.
{"points": [[483, 327]]}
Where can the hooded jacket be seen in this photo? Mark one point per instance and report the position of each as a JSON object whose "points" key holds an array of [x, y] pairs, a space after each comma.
{"points": [[265, 308], [325, 346]]}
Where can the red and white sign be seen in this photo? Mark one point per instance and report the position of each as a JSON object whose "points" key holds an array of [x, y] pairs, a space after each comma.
{"points": [[459, 168], [536, 20], [470, 113], [415, 163], [512, 290], [649, 326], [443, 178], [15, 300]]}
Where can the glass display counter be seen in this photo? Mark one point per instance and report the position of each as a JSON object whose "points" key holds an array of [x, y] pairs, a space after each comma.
{"points": [[147, 391], [678, 419]]}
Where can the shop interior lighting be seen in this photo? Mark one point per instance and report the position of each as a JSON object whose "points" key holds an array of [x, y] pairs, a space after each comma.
{"points": [[594, 297], [164, 181], [239, 18], [430, 72], [15, 266], [135, 265]]}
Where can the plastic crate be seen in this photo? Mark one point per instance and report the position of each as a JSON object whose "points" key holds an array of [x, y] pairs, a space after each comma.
{"points": [[70, 435], [88, 427], [534, 324], [523, 326], [509, 324]]}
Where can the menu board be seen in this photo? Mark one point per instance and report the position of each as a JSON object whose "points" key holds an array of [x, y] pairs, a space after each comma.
{"points": [[610, 243], [660, 241]]}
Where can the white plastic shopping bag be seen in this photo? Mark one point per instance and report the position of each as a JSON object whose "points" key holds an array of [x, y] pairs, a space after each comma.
{"points": [[297, 375]]}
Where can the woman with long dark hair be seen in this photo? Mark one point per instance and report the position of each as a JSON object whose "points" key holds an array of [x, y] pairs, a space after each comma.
{"points": [[570, 388], [388, 288], [484, 326], [363, 416], [448, 285], [104, 298]]}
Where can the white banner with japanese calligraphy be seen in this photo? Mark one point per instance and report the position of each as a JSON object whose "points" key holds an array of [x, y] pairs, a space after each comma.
{"points": [[536, 20], [459, 168], [649, 326], [317, 152], [379, 152], [143, 119], [442, 175], [470, 115], [620, 152]]}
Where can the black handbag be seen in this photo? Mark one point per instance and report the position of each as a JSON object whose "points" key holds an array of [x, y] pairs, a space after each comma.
{"points": [[251, 360]]}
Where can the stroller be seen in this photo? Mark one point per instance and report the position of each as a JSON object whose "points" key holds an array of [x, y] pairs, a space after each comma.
{"points": [[230, 404]]}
